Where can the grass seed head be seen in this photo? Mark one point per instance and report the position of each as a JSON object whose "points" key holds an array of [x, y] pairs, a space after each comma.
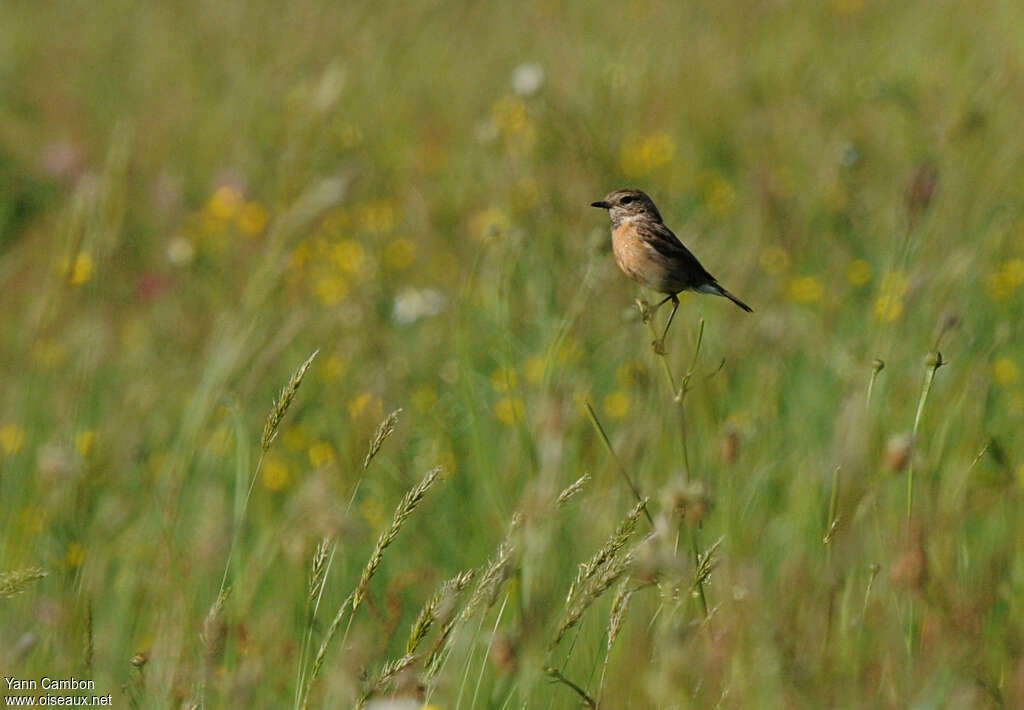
{"points": [[18, 581], [386, 429], [273, 423]]}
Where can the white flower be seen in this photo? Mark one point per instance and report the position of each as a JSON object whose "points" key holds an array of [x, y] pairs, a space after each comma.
{"points": [[180, 251], [527, 78], [412, 304]]}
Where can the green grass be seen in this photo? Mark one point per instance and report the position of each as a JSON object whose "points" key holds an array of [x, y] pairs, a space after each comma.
{"points": [[193, 200]]}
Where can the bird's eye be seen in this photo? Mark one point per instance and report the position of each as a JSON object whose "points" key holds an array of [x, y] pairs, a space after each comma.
{"points": [[626, 200]]}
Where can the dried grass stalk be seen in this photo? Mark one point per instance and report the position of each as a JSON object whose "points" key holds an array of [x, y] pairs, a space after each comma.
{"points": [[386, 429], [19, 580], [571, 490], [386, 675], [282, 403], [598, 573], [435, 608], [214, 629], [405, 508]]}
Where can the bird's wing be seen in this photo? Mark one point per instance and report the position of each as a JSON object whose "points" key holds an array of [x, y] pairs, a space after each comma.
{"points": [[662, 240]]}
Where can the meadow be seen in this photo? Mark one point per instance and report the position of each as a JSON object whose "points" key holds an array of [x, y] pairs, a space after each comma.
{"points": [[321, 388]]}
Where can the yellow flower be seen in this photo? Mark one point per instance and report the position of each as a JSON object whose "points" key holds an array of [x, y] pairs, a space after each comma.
{"points": [[358, 404], [533, 369], [1013, 270], [889, 303], [76, 554], [224, 202], [334, 368], [509, 115], [424, 398], [81, 270], [720, 196], [640, 154], [12, 438], [349, 256], [276, 474], [1005, 280], [378, 217], [84, 441], [858, 272], [631, 374], [253, 219], [296, 437], [774, 260], [508, 410], [489, 222], [373, 511], [331, 290], [400, 253], [617, 404], [321, 453], [365, 403], [804, 289], [1005, 372], [504, 379]]}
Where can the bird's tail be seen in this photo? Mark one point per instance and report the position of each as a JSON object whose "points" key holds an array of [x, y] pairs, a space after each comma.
{"points": [[717, 290]]}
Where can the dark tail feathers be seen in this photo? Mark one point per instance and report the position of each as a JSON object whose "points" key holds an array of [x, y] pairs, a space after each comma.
{"points": [[716, 289]]}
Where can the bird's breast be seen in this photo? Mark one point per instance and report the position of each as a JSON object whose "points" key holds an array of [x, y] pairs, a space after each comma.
{"points": [[631, 252]]}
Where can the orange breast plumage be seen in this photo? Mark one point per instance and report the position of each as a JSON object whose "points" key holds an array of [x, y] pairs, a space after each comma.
{"points": [[640, 261], [629, 251]]}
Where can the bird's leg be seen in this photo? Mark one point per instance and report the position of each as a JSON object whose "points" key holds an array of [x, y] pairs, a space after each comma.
{"points": [[647, 311], [659, 345]]}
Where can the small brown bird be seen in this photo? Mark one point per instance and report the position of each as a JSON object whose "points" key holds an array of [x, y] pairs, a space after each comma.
{"points": [[647, 251]]}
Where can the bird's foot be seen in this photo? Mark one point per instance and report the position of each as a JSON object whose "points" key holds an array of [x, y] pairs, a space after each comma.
{"points": [[659, 346], [646, 313]]}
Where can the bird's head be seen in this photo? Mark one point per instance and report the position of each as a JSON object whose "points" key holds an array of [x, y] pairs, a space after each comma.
{"points": [[627, 204]]}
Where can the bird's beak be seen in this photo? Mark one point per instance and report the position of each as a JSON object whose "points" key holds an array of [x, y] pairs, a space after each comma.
{"points": [[602, 204]]}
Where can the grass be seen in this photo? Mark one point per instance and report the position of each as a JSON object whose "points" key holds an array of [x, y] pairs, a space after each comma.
{"points": [[195, 201]]}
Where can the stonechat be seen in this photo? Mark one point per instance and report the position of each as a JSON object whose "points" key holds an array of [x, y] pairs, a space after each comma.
{"points": [[648, 252]]}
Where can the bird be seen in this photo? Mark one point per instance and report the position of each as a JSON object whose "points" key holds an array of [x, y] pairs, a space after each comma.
{"points": [[649, 252]]}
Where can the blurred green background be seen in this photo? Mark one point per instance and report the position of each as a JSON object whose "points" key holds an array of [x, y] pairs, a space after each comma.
{"points": [[195, 196]]}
